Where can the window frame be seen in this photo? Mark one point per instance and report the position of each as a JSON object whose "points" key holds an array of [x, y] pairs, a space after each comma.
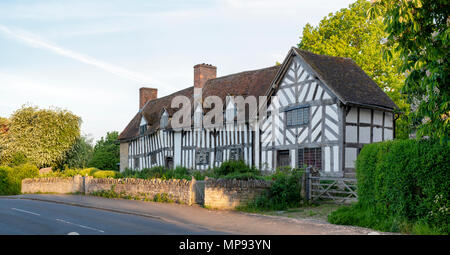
{"points": [[303, 108], [317, 153]]}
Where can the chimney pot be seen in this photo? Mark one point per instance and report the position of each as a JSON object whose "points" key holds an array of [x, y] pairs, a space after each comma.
{"points": [[147, 94]]}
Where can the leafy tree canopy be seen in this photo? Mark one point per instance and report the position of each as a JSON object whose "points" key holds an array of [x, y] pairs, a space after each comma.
{"points": [[420, 31], [106, 152], [42, 136], [79, 155], [350, 33]]}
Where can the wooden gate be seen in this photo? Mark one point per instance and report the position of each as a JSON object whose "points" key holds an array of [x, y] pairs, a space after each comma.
{"points": [[331, 189], [199, 190]]}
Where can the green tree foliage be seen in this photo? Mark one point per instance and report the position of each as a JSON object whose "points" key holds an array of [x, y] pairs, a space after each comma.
{"points": [[79, 155], [106, 152], [350, 33], [420, 29], [42, 136], [4, 127]]}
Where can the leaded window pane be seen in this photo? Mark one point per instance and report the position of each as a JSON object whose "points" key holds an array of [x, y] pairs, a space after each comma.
{"points": [[311, 157], [298, 116]]}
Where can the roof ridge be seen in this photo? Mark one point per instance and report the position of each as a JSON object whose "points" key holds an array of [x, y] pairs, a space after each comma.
{"points": [[243, 72], [322, 55]]}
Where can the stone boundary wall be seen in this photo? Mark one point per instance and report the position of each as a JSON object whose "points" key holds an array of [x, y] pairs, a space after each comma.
{"points": [[228, 194], [213, 193], [177, 190], [53, 185]]}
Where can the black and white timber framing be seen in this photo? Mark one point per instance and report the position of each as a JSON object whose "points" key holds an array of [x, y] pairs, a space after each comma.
{"points": [[340, 129]]}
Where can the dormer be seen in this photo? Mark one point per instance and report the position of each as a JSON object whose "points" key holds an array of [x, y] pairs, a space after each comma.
{"points": [[164, 121], [143, 126]]}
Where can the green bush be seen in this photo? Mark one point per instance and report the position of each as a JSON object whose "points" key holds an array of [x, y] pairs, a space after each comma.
{"points": [[285, 192], [107, 174], [11, 177], [403, 185], [233, 167]]}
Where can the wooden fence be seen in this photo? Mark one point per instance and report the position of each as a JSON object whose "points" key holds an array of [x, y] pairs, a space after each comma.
{"points": [[323, 189]]}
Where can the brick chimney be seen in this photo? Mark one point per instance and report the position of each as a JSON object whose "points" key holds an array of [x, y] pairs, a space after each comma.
{"points": [[147, 94], [202, 73]]}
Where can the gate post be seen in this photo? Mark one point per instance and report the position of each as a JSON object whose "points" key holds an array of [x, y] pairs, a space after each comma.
{"points": [[307, 184]]}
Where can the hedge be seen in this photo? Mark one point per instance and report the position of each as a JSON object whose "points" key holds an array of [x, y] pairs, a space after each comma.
{"points": [[401, 184], [11, 177]]}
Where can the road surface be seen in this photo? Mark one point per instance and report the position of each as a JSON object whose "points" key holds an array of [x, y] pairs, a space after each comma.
{"points": [[79, 214], [20, 216]]}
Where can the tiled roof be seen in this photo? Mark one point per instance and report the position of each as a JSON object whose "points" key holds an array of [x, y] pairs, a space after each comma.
{"points": [[247, 83], [347, 80]]}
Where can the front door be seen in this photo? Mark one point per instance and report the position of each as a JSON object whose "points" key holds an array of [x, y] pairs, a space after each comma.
{"points": [[283, 159]]}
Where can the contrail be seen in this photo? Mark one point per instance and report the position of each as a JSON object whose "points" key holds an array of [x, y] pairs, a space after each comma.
{"points": [[37, 42]]}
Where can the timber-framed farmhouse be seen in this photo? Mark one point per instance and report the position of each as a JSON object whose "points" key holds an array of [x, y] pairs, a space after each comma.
{"points": [[321, 110]]}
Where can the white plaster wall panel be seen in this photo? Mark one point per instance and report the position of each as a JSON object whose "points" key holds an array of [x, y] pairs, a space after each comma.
{"points": [[311, 91], [292, 155], [304, 75], [352, 116], [330, 136], [318, 93], [351, 134], [303, 94], [388, 134], [364, 115], [350, 157], [290, 138], [316, 119], [388, 119], [327, 159], [283, 96], [326, 95], [336, 158], [302, 138], [378, 118], [364, 134], [377, 134], [331, 110]]}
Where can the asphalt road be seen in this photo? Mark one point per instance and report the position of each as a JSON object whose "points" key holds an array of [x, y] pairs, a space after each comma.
{"points": [[20, 216]]}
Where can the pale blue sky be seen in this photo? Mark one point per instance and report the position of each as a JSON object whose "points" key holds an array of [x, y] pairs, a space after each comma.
{"points": [[92, 56]]}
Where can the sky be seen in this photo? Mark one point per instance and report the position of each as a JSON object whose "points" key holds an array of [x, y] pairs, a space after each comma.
{"points": [[91, 56]]}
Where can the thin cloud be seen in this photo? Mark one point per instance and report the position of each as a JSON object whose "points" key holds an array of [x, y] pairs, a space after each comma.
{"points": [[37, 42]]}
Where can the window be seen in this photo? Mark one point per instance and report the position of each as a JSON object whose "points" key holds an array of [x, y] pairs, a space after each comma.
{"points": [[283, 158], [169, 162], [153, 158], [219, 155], [310, 157], [299, 116], [136, 163], [142, 129], [201, 157], [236, 154]]}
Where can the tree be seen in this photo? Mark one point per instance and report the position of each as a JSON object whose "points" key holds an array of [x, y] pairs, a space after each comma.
{"points": [[106, 152], [420, 29], [42, 136], [79, 155], [350, 33], [4, 127]]}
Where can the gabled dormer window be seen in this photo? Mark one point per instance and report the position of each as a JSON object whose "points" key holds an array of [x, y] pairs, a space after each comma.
{"points": [[142, 129], [142, 126], [164, 119]]}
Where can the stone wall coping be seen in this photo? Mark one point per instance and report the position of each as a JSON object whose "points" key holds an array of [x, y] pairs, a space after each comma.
{"points": [[228, 183]]}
